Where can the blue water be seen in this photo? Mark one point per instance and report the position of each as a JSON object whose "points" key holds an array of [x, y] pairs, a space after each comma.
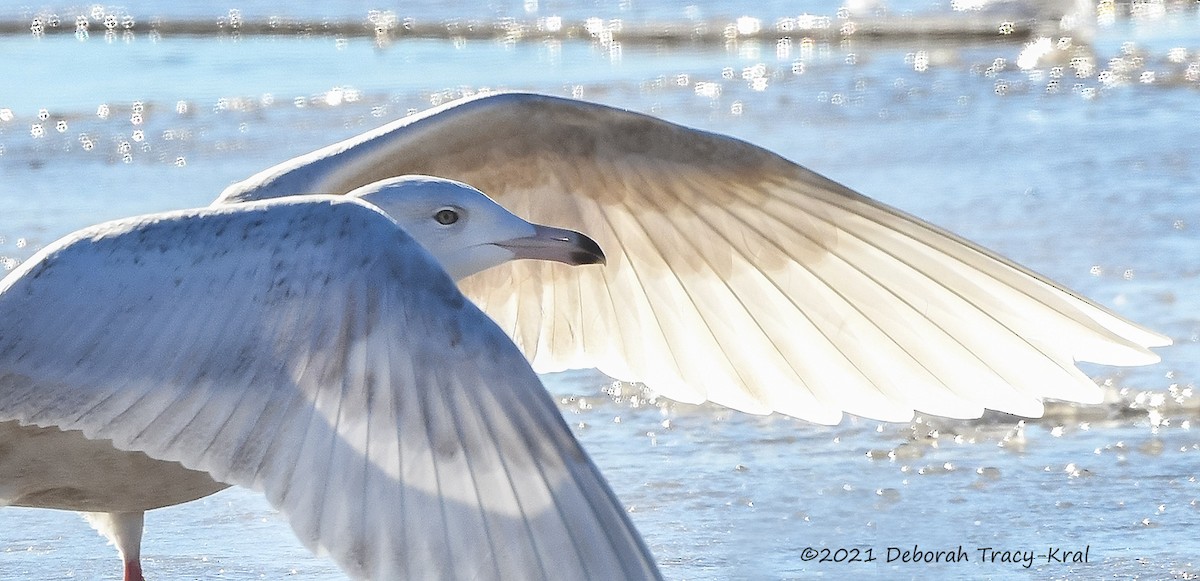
{"points": [[1095, 185]]}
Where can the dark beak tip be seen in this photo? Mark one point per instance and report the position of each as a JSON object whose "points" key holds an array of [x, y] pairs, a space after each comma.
{"points": [[581, 258], [589, 251]]}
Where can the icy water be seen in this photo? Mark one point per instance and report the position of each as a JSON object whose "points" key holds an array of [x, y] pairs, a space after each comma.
{"points": [[1088, 173]]}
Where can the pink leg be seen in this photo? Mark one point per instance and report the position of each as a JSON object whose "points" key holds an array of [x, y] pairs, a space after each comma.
{"points": [[133, 571]]}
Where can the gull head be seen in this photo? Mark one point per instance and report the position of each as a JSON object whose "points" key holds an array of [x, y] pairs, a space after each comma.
{"points": [[466, 231]]}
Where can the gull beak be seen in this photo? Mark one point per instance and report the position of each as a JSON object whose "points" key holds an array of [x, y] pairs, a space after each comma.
{"points": [[557, 244]]}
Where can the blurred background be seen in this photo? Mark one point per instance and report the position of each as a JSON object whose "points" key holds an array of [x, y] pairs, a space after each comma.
{"points": [[1063, 134]]}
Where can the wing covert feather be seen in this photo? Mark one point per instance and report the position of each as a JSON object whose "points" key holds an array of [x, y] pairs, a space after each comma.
{"points": [[312, 350], [735, 275]]}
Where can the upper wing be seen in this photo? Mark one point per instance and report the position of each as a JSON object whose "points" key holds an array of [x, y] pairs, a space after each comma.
{"points": [[733, 274], [314, 351]]}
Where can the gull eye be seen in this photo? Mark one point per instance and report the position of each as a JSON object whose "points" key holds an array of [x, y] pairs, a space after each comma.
{"points": [[446, 216]]}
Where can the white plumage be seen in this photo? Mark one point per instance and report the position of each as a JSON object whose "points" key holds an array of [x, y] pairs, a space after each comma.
{"points": [[311, 349]]}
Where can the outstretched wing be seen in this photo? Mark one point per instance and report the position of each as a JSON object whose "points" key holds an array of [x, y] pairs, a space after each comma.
{"points": [[733, 274], [312, 350]]}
